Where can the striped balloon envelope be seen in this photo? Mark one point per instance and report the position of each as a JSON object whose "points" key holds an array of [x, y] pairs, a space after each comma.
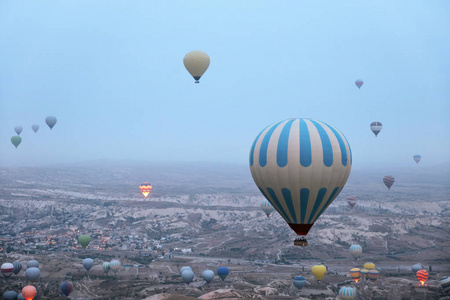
{"points": [[376, 127], [445, 284], [373, 275], [388, 181], [196, 62], [7, 269], [32, 264], [355, 274], [365, 273], [114, 265], [299, 282], [347, 293], [17, 267], [356, 251], [266, 207], [422, 275], [66, 288], [352, 201], [369, 265], [300, 166], [106, 267], [145, 189]]}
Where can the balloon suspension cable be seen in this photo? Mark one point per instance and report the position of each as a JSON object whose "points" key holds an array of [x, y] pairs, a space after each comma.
{"points": [[301, 241]]}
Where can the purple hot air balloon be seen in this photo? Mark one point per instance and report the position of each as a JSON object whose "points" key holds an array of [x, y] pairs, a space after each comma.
{"points": [[359, 83], [352, 201], [66, 288]]}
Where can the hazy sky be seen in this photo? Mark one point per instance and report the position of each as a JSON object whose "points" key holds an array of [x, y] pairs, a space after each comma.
{"points": [[112, 73]]}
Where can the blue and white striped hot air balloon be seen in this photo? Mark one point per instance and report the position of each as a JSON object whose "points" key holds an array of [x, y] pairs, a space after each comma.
{"points": [[376, 127], [300, 166], [266, 207], [347, 293], [356, 251]]}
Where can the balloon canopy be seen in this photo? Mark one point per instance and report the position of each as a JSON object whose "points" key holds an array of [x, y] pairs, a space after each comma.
{"points": [[417, 158], [66, 288], [376, 127], [7, 269], [196, 62], [51, 121], [299, 282], [29, 292], [355, 274], [347, 293], [319, 271], [388, 181], [145, 189], [208, 275], [16, 140], [84, 240], [359, 83], [18, 129], [35, 127], [355, 250], [266, 207], [223, 272]]}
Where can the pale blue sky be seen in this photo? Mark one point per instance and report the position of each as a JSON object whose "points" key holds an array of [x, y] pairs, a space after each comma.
{"points": [[112, 73]]}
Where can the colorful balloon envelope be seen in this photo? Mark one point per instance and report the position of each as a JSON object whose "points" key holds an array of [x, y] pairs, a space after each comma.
{"points": [[369, 265], [196, 62], [356, 251], [300, 166], [359, 83], [106, 267], [319, 271], [51, 121], [365, 273], [145, 189], [422, 275], [347, 293], [7, 269], [223, 272], [66, 288], [373, 275], [355, 274], [17, 267], [88, 263], [84, 240], [376, 127], [16, 140], [299, 282], [388, 181], [114, 265], [445, 284], [29, 292], [417, 158], [352, 201], [266, 207]]}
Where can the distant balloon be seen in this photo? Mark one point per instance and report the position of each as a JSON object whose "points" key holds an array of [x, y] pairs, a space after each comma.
{"points": [[66, 288], [347, 293], [29, 292], [33, 264], [187, 276], [208, 275], [114, 265], [417, 158], [84, 240], [373, 275], [51, 121], [319, 271], [352, 201], [18, 129], [266, 207], [299, 282], [365, 273], [196, 62], [20, 297], [9, 295], [145, 189], [416, 268], [32, 274], [388, 181], [184, 269], [17, 267], [7, 269], [445, 284], [422, 275], [369, 265], [35, 127], [223, 272], [16, 140], [376, 127], [88, 263], [359, 83], [106, 267], [355, 274], [356, 251], [300, 166]]}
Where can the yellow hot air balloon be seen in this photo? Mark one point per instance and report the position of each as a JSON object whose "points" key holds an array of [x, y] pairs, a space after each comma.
{"points": [[355, 274], [196, 62], [365, 273], [319, 271], [369, 265]]}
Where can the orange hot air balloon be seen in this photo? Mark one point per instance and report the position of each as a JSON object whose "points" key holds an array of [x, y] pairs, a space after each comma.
{"points": [[422, 275], [29, 292], [145, 189], [355, 274]]}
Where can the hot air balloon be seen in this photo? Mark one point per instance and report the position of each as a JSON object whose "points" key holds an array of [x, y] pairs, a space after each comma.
{"points": [[352, 201], [20, 297], [145, 189], [184, 269], [208, 275], [319, 271], [114, 265], [417, 158], [51, 121], [84, 240], [88, 263], [187, 276], [16, 140], [359, 83], [66, 288], [17, 267], [356, 251], [196, 62], [445, 284], [35, 127], [416, 268], [376, 127], [29, 292], [373, 275], [18, 129], [9, 295], [223, 272], [347, 293], [422, 275], [299, 282], [300, 166], [365, 273], [369, 265], [7, 269], [106, 267], [32, 264], [388, 181], [266, 207], [355, 274], [32, 274]]}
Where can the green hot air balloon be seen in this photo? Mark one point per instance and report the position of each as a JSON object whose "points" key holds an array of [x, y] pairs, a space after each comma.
{"points": [[16, 140], [84, 240]]}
